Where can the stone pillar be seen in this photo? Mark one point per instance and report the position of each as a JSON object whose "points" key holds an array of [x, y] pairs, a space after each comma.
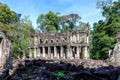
{"points": [[87, 39], [86, 54], [38, 52], [77, 53], [80, 51], [30, 52], [58, 52], [61, 51], [55, 52], [49, 52], [69, 54], [35, 40], [35, 53], [43, 52], [78, 39]]}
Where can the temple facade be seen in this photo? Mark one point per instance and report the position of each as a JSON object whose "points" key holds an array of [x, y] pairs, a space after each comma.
{"points": [[70, 45]]}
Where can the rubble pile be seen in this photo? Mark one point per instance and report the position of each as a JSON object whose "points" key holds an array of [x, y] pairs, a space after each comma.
{"points": [[78, 69]]}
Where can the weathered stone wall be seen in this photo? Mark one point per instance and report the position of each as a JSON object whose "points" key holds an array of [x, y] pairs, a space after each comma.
{"points": [[5, 55], [115, 57], [73, 44]]}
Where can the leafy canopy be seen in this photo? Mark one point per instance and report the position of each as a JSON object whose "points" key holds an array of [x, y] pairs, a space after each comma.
{"points": [[104, 32]]}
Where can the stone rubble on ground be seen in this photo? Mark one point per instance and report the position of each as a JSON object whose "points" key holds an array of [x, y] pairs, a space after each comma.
{"points": [[79, 69]]}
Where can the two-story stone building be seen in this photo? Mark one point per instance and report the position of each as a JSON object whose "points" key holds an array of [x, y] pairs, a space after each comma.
{"points": [[73, 44]]}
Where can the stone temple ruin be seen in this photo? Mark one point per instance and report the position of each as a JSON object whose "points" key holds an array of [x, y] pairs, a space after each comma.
{"points": [[5, 55], [61, 53], [70, 45], [115, 53], [5, 50]]}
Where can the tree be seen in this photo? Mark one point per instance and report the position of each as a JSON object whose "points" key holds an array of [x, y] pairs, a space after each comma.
{"points": [[104, 32], [19, 34], [48, 22], [6, 15], [17, 29], [68, 22]]}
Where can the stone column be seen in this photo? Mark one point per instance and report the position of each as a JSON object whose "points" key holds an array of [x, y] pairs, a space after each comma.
{"points": [[35, 52], [80, 51], [61, 51], [78, 40], [49, 52], [86, 54], [87, 38], [55, 52], [69, 54], [58, 52], [30, 54], [77, 53], [38, 52], [35, 40], [43, 52]]}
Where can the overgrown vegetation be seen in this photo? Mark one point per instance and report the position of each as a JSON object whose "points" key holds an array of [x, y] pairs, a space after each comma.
{"points": [[17, 28], [54, 22], [104, 31], [103, 35]]}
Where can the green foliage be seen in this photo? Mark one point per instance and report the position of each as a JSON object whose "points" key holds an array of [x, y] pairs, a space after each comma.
{"points": [[60, 74], [52, 22], [68, 22], [49, 22], [17, 30], [6, 15], [104, 32], [19, 34]]}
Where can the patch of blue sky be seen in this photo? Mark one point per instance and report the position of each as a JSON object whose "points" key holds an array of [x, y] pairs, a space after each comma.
{"points": [[33, 8]]}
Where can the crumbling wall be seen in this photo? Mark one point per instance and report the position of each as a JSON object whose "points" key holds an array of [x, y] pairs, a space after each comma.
{"points": [[115, 57], [5, 55]]}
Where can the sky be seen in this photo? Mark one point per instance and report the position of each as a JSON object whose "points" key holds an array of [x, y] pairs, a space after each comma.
{"points": [[33, 8]]}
